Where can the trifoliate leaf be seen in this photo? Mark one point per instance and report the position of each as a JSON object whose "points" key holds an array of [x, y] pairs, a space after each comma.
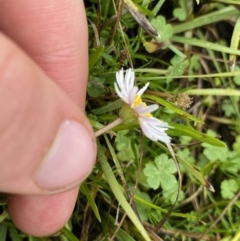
{"points": [[177, 67], [229, 188], [194, 66], [153, 175], [228, 108], [214, 153], [123, 145], [165, 30], [163, 163], [231, 164], [171, 194], [160, 172], [181, 12]]}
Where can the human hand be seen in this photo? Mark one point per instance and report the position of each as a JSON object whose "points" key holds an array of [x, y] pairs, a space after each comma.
{"points": [[47, 144]]}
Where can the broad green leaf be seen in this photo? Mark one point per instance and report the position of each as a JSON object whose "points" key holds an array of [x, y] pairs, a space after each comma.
{"points": [[172, 107], [229, 188]]}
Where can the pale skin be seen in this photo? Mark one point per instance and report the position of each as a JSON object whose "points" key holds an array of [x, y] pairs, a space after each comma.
{"points": [[43, 76]]}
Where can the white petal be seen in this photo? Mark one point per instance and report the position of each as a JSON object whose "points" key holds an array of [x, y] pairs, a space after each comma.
{"points": [[131, 81], [119, 93], [149, 109], [128, 80], [140, 108], [132, 95], [154, 133], [141, 91], [120, 79], [155, 122]]}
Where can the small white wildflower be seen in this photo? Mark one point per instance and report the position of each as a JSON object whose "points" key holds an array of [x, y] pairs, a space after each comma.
{"points": [[153, 128]]}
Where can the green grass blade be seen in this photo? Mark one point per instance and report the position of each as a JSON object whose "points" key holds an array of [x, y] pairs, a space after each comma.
{"points": [[204, 44], [172, 107], [217, 92], [87, 193], [112, 182], [110, 107], [206, 19], [95, 55], [181, 130]]}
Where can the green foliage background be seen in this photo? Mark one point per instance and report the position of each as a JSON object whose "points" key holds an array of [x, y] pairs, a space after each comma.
{"points": [[196, 55]]}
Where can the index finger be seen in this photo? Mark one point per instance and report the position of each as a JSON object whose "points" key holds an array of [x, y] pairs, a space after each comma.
{"points": [[54, 34]]}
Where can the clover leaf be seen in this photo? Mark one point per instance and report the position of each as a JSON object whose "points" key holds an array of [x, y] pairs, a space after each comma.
{"points": [[165, 30], [124, 147], [177, 67], [214, 153], [181, 12], [229, 188], [160, 173], [228, 108], [171, 194], [231, 164]]}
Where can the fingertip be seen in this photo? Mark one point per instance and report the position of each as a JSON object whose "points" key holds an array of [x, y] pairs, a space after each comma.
{"points": [[42, 215]]}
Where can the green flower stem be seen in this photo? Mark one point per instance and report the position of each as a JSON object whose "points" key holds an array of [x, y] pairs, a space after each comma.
{"points": [[112, 182], [204, 44], [217, 92], [176, 51], [108, 127]]}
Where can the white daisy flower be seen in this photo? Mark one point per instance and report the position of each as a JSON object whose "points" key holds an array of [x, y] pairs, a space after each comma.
{"points": [[153, 128]]}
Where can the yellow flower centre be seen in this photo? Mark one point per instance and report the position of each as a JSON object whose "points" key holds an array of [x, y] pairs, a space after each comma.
{"points": [[138, 101]]}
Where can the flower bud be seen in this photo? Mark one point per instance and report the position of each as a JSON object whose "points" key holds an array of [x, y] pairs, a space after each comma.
{"points": [[128, 115]]}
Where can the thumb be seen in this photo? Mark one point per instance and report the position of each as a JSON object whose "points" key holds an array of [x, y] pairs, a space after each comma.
{"points": [[47, 143]]}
